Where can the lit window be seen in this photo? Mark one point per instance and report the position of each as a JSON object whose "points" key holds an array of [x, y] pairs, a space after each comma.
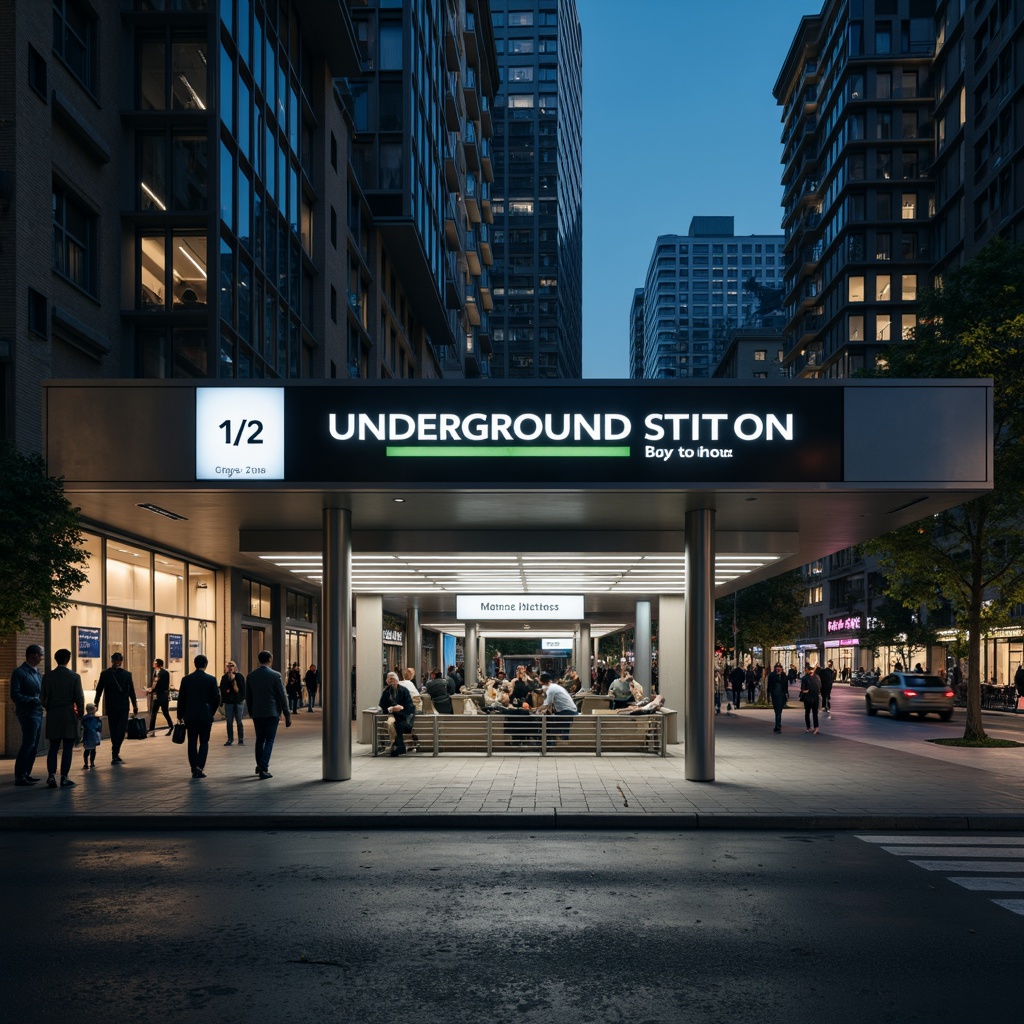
{"points": [[883, 326], [909, 287], [909, 326], [883, 289], [856, 332], [909, 205], [760, 355], [856, 288]]}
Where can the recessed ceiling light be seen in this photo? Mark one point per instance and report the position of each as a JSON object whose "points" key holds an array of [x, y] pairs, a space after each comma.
{"points": [[398, 501]]}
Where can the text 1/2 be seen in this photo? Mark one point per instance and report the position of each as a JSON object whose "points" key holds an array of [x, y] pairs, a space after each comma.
{"points": [[256, 428]]}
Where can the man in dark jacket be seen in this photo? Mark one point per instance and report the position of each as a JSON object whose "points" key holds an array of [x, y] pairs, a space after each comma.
{"points": [[117, 688], [437, 688], [198, 699], [827, 675], [266, 700], [810, 690], [65, 705], [737, 678], [26, 688], [159, 694], [778, 690], [396, 700]]}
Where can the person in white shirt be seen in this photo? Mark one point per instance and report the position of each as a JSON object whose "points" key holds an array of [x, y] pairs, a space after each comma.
{"points": [[559, 703]]}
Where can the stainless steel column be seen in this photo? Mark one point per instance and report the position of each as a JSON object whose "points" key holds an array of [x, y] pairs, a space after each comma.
{"points": [[413, 641], [336, 631], [469, 653], [583, 654], [642, 645], [699, 645]]}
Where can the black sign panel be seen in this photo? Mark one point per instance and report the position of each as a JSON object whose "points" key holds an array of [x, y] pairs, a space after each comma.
{"points": [[523, 434]]}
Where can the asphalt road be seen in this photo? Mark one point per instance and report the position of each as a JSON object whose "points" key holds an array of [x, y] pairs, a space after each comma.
{"points": [[568, 928]]}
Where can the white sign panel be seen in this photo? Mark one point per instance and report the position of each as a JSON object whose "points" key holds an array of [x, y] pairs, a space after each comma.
{"points": [[556, 643], [478, 607], [240, 434]]}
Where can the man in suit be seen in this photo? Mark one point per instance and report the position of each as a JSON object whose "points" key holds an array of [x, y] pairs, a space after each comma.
{"points": [[65, 705], [266, 701], [117, 688], [26, 688], [159, 694], [198, 699]]}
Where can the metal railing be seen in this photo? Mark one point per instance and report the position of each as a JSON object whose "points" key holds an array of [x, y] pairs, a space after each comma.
{"points": [[496, 734]]}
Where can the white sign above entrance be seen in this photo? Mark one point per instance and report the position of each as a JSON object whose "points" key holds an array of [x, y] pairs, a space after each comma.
{"points": [[479, 607], [240, 434], [556, 643]]}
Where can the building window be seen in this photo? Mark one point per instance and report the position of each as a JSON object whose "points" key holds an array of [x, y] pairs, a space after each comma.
{"points": [[37, 322], [856, 288], [760, 355], [74, 238], [74, 39], [908, 326], [883, 288], [883, 327], [256, 599], [520, 19], [909, 291], [37, 72], [909, 205], [856, 328]]}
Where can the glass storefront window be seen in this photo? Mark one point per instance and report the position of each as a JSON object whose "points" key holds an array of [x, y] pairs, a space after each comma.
{"points": [[129, 577], [202, 592], [152, 272], [169, 644], [189, 271], [169, 585], [188, 74], [202, 639], [64, 633], [92, 590]]}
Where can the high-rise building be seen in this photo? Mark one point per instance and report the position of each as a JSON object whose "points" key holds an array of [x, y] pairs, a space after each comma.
{"points": [[636, 335], [856, 96], [538, 221], [700, 286]]}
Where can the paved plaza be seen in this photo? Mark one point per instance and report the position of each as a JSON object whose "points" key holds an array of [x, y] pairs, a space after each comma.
{"points": [[859, 772]]}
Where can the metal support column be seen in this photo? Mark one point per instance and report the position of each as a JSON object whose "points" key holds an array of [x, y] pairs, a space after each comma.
{"points": [[336, 639], [469, 653], [642, 645], [413, 641], [583, 654], [699, 645]]}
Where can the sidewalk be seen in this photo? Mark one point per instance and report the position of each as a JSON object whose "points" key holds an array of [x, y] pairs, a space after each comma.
{"points": [[863, 773]]}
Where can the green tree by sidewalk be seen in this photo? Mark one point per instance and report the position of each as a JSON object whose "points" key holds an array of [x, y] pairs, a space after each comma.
{"points": [[972, 555], [767, 614], [40, 543], [894, 625]]}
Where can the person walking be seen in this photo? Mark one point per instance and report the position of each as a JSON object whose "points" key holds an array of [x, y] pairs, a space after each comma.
{"points": [[827, 677], [232, 698], [160, 695], [64, 702], [312, 681], [810, 690], [266, 702], [737, 677], [1018, 682], [778, 691], [750, 682], [117, 688], [92, 736], [26, 692], [294, 688], [198, 699]]}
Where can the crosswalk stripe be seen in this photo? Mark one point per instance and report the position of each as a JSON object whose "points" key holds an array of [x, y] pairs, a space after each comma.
{"points": [[956, 851], [945, 840], [1017, 906], [987, 884], [969, 865]]}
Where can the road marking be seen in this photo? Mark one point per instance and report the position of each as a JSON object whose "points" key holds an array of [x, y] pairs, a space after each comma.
{"points": [[1017, 906], [987, 884], [956, 851], [945, 840], [969, 865]]}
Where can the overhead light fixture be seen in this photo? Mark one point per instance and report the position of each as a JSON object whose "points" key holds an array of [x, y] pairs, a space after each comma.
{"points": [[398, 501], [184, 252], [159, 511], [152, 195], [195, 96]]}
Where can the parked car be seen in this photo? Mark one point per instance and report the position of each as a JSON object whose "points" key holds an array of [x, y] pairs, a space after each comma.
{"points": [[863, 679], [904, 693]]}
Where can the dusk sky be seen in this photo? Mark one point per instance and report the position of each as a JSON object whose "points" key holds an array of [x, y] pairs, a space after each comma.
{"points": [[678, 121]]}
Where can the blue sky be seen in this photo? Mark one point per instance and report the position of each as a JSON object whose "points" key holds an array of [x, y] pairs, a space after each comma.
{"points": [[678, 121]]}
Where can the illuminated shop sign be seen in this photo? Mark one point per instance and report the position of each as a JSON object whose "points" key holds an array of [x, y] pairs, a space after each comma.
{"points": [[430, 433], [849, 624], [393, 636], [846, 641], [556, 643], [474, 607]]}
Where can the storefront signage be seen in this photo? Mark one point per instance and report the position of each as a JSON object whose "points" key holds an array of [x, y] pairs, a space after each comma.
{"points": [[849, 624], [556, 643], [431, 434], [87, 641], [477, 607], [393, 636], [175, 646], [847, 641]]}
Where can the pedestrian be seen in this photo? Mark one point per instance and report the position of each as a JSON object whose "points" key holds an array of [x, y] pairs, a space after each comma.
{"points": [[266, 701], [64, 702], [750, 681], [312, 681], [160, 695], [396, 701], [232, 699], [198, 699], [737, 678], [26, 692], [437, 688], [810, 690], [1018, 682], [778, 690], [117, 688], [294, 688], [792, 677], [827, 676], [92, 735]]}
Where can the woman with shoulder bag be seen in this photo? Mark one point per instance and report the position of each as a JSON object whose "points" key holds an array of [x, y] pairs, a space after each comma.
{"points": [[810, 691]]}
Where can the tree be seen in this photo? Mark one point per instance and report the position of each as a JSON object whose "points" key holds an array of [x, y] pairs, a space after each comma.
{"points": [[767, 614], [973, 555], [40, 543], [894, 625]]}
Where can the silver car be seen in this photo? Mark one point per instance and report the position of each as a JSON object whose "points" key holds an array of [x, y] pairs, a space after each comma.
{"points": [[904, 693]]}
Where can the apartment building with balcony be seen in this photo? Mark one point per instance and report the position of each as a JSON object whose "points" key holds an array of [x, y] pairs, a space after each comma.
{"points": [[538, 190], [636, 335]]}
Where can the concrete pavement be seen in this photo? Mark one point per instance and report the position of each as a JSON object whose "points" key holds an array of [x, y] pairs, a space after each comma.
{"points": [[860, 772]]}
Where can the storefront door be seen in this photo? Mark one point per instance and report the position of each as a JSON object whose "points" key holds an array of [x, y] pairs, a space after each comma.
{"points": [[254, 640], [130, 635]]}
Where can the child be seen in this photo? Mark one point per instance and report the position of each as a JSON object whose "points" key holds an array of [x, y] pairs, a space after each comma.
{"points": [[92, 731]]}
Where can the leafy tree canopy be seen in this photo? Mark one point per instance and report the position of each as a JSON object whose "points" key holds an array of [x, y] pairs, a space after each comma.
{"points": [[767, 614]]}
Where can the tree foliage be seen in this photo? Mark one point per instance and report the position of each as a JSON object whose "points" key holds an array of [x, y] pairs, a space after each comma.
{"points": [[40, 543], [894, 625], [973, 555], [767, 614]]}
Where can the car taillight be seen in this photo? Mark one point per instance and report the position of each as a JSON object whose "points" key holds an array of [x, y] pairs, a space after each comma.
{"points": [[948, 693], [910, 693]]}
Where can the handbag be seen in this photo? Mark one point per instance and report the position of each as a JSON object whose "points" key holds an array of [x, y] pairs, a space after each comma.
{"points": [[178, 736]]}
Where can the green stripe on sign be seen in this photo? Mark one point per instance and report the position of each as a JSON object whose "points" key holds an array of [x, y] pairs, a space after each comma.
{"points": [[507, 452]]}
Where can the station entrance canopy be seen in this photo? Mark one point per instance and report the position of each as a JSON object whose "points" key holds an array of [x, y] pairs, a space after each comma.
{"points": [[617, 490]]}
